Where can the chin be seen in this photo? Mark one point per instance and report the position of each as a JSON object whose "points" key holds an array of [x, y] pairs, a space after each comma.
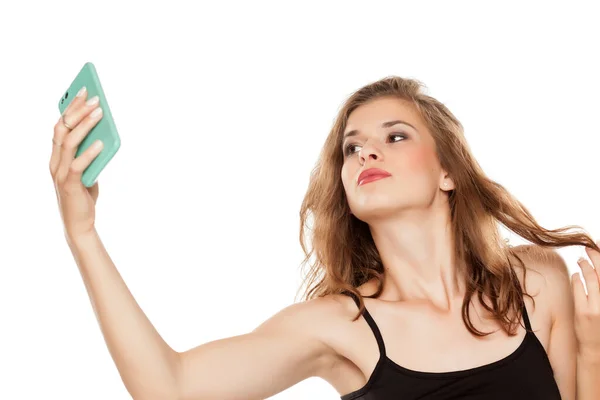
{"points": [[375, 210]]}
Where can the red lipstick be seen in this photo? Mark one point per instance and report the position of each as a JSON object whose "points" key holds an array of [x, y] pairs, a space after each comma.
{"points": [[372, 174]]}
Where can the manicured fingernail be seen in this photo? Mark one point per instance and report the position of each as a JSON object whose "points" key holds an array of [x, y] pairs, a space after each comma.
{"points": [[81, 92], [92, 101], [96, 112], [98, 145], [581, 259]]}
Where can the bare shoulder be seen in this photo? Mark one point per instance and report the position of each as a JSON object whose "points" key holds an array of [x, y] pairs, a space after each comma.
{"points": [[316, 314], [323, 320], [341, 333], [549, 271], [552, 280], [289, 347], [547, 279]]}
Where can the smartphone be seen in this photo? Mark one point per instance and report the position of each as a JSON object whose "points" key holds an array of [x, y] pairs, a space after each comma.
{"points": [[105, 130]]}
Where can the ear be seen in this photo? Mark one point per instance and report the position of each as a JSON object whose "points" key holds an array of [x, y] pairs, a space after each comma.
{"points": [[446, 183]]}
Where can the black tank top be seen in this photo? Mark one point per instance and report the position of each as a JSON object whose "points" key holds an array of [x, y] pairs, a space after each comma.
{"points": [[524, 374]]}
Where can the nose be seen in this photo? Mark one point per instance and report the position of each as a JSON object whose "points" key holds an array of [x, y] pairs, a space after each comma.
{"points": [[368, 151]]}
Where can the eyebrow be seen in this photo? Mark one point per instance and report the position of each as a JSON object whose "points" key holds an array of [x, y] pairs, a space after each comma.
{"points": [[354, 132]]}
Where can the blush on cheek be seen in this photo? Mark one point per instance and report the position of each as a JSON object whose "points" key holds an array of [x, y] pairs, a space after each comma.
{"points": [[417, 161]]}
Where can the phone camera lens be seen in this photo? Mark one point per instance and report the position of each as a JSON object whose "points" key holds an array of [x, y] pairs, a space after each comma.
{"points": [[66, 95], [62, 101]]}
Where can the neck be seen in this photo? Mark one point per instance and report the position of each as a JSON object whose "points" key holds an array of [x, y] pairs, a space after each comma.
{"points": [[417, 251]]}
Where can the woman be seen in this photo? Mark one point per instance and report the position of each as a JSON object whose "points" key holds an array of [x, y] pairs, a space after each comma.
{"points": [[413, 294]]}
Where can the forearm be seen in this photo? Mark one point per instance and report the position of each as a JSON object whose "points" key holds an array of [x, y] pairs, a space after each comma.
{"points": [[588, 377], [147, 365]]}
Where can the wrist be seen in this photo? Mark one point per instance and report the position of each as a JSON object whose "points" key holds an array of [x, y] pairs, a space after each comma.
{"points": [[589, 356], [80, 239]]}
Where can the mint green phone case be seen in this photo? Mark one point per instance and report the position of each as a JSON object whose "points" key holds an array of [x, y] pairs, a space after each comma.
{"points": [[105, 130]]}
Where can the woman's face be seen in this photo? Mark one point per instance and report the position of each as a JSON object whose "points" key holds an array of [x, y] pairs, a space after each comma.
{"points": [[404, 151]]}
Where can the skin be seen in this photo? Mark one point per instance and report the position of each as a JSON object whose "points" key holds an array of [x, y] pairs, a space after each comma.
{"points": [[408, 213], [409, 217]]}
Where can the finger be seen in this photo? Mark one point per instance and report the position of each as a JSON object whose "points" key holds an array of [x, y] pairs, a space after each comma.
{"points": [[81, 163], [594, 256], [591, 283], [72, 115], [82, 93], [579, 297], [71, 143], [79, 109]]}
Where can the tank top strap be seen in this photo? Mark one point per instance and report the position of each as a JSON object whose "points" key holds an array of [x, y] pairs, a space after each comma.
{"points": [[371, 323], [526, 317]]}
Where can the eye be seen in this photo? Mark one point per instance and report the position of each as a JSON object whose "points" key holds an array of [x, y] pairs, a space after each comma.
{"points": [[401, 135], [348, 150]]}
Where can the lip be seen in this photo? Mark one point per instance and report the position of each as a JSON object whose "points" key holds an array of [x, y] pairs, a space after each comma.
{"points": [[372, 174]]}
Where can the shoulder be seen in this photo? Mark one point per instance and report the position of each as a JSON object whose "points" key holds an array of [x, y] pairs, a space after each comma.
{"points": [[319, 322], [320, 310], [545, 273], [543, 259], [553, 281], [311, 317], [550, 282]]}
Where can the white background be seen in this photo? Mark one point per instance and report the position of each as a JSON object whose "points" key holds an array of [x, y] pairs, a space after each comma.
{"points": [[222, 110]]}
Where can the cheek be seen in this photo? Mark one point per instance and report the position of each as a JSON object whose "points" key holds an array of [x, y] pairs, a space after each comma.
{"points": [[418, 168], [347, 175], [417, 162]]}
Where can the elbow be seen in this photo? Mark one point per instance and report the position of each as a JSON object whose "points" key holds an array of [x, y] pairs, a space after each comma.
{"points": [[153, 393], [166, 388]]}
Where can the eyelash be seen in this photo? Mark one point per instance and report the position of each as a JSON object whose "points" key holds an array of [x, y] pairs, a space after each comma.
{"points": [[348, 146]]}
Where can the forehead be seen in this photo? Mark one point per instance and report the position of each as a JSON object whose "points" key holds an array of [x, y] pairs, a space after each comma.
{"points": [[374, 112]]}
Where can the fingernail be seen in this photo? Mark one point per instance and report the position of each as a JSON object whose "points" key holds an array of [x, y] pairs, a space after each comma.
{"points": [[96, 112], [81, 92], [581, 259], [92, 101], [98, 145]]}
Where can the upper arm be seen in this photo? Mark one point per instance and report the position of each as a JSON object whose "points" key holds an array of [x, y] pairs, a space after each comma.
{"points": [[282, 351], [562, 347]]}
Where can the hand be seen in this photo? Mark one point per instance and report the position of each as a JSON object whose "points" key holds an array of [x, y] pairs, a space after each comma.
{"points": [[587, 307], [76, 202]]}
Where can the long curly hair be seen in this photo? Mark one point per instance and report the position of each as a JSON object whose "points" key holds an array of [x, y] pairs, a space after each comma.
{"points": [[340, 252]]}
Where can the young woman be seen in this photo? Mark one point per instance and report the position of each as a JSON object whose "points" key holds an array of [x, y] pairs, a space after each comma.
{"points": [[411, 292]]}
